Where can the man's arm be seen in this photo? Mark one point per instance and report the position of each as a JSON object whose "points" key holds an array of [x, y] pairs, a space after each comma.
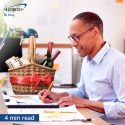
{"points": [[82, 103], [95, 105]]}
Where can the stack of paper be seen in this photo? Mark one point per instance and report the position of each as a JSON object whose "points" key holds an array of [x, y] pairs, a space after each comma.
{"points": [[61, 114]]}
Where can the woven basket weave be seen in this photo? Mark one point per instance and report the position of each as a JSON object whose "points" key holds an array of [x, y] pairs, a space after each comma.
{"points": [[29, 70]]}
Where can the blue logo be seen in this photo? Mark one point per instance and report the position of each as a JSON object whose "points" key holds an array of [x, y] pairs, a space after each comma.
{"points": [[10, 11]]}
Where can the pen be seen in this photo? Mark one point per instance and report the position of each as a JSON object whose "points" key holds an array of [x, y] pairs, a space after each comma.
{"points": [[82, 120], [3, 81], [50, 86], [71, 120]]}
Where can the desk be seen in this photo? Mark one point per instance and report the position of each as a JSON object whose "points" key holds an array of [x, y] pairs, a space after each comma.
{"points": [[86, 112]]}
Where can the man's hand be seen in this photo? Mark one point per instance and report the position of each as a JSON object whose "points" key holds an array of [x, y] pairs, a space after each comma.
{"points": [[70, 100], [81, 103], [48, 96]]}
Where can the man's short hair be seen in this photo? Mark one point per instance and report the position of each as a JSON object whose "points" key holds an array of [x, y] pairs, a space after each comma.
{"points": [[91, 19]]}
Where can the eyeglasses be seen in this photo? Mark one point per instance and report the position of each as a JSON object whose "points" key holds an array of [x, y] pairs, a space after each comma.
{"points": [[77, 37]]}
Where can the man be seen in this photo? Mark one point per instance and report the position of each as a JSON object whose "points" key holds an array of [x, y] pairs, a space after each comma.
{"points": [[102, 83]]}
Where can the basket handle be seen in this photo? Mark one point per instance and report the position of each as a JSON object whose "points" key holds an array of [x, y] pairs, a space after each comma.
{"points": [[32, 49]]}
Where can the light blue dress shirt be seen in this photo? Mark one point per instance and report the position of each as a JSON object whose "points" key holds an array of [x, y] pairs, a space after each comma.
{"points": [[103, 79]]}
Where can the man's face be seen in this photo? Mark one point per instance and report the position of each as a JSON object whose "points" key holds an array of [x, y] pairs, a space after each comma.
{"points": [[82, 37]]}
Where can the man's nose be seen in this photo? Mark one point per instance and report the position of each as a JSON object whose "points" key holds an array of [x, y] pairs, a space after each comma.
{"points": [[74, 43]]}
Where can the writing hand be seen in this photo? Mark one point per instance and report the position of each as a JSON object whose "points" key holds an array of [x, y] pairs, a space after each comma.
{"points": [[47, 96]]}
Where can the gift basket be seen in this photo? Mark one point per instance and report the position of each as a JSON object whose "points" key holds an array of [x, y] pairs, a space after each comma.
{"points": [[30, 77]]}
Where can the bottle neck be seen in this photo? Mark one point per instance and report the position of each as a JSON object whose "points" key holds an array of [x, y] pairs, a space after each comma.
{"points": [[54, 56], [49, 50]]}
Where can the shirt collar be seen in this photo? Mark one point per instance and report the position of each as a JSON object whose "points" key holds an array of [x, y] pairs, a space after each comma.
{"points": [[99, 56]]}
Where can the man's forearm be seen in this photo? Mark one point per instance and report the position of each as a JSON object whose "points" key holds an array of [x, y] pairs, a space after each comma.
{"points": [[95, 105], [62, 94]]}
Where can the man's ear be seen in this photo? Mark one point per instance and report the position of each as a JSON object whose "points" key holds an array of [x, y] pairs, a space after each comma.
{"points": [[95, 32]]}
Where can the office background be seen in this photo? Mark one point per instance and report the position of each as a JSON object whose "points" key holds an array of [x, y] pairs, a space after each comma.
{"points": [[51, 19]]}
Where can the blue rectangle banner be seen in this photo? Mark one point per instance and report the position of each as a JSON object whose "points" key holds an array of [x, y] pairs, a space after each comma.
{"points": [[19, 117]]}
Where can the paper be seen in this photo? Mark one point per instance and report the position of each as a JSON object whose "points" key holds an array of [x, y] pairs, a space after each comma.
{"points": [[62, 114], [69, 113], [25, 100]]}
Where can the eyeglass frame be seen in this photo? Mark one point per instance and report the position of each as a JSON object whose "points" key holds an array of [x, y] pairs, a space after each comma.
{"points": [[77, 37]]}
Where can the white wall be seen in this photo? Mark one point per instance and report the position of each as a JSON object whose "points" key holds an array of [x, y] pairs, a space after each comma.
{"points": [[51, 18]]}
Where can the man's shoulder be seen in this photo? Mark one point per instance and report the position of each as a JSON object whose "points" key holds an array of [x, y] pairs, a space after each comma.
{"points": [[116, 53], [114, 56]]}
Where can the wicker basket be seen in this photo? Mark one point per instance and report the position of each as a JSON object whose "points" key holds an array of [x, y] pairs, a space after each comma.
{"points": [[27, 71], [31, 78]]}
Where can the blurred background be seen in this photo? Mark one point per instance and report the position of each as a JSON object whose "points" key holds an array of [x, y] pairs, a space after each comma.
{"points": [[51, 19]]}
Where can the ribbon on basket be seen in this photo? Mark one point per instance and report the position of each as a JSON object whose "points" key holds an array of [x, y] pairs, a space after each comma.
{"points": [[34, 79]]}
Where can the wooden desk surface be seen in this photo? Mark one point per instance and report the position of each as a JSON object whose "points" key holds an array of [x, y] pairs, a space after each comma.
{"points": [[89, 114]]}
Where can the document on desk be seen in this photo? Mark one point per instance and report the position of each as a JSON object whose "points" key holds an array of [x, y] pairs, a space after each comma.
{"points": [[52, 114], [29, 104], [69, 113], [25, 100]]}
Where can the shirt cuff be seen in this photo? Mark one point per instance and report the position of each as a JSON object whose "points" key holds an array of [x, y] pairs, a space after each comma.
{"points": [[110, 110]]}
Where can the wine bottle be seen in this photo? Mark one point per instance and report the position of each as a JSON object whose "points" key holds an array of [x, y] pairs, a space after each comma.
{"points": [[48, 54], [49, 50], [50, 62]]}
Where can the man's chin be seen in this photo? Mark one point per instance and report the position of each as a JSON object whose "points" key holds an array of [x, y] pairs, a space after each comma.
{"points": [[82, 55]]}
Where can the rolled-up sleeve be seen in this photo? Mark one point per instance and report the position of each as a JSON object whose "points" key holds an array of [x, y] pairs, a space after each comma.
{"points": [[116, 108]]}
